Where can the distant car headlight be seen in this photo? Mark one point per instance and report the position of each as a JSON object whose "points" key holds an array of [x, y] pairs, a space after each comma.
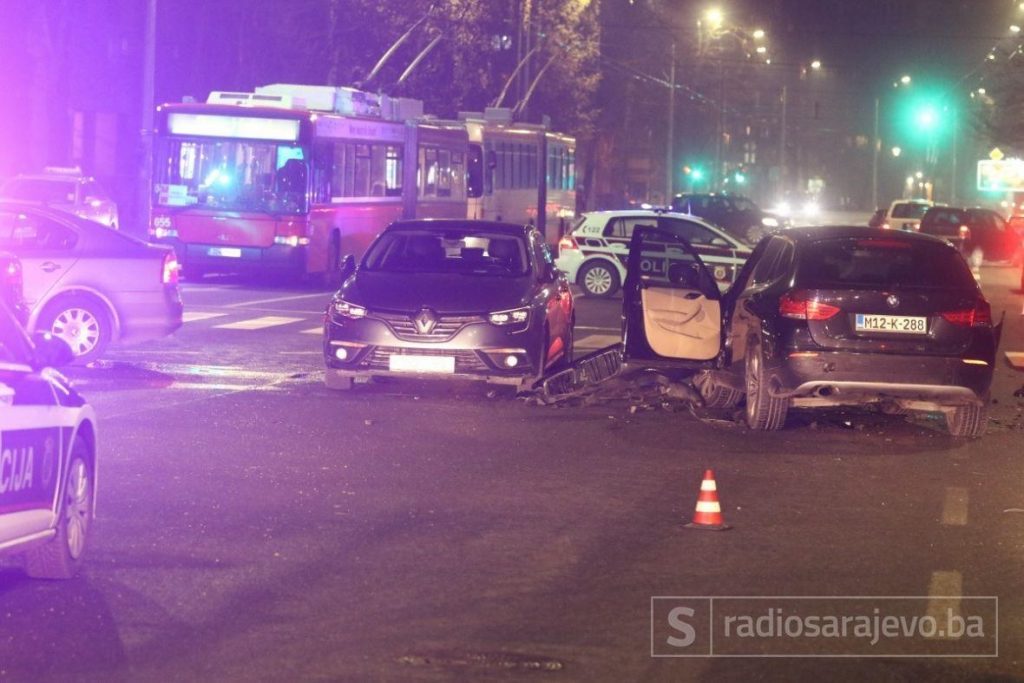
{"points": [[811, 209], [782, 208], [517, 316], [347, 310], [770, 222]]}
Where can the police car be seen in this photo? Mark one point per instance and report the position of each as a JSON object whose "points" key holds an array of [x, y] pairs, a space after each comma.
{"points": [[594, 254], [47, 455]]}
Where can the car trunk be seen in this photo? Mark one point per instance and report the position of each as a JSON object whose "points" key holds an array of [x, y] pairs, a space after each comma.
{"points": [[901, 312]]}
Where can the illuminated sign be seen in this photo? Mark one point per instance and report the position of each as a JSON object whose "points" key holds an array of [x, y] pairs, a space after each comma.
{"points": [[1002, 175], [247, 127]]}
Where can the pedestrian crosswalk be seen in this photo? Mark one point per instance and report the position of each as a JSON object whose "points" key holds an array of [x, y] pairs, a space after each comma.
{"points": [[587, 338]]}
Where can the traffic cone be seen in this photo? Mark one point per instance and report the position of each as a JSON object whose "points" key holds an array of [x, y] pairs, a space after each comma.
{"points": [[709, 513]]}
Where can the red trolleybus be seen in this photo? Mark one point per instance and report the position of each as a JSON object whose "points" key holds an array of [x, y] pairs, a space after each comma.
{"points": [[514, 168], [290, 178]]}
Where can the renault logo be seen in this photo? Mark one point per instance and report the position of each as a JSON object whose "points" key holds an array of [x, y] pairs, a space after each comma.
{"points": [[425, 321], [892, 300]]}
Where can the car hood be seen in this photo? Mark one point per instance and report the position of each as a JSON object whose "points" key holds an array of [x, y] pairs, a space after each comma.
{"points": [[443, 293]]}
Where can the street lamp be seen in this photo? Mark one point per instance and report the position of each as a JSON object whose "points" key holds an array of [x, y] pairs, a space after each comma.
{"points": [[715, 18], [816, 64]]}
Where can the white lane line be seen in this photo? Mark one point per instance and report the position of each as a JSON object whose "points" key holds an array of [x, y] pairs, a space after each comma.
{"points": [[597, 329], [954, 508], [597, 341], [314, 330], [944, 593], [301, 353], [244, 304], [258, 323], [192, 316]]}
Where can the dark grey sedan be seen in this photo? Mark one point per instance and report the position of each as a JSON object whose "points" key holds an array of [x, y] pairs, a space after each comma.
{"points": [[88, 284], [450, 299]]}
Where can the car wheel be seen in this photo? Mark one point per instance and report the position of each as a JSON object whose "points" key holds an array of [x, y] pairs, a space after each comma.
{"points": [[764, 411], [716, 395], [62, 557], [336, 380], [82, 322], [968, 421], [599, 279]]}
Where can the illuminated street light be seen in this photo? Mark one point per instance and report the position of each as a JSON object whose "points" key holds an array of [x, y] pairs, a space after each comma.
{"points": [[715, 17], [759, 34], [919, 175], [761, 49], [896, 151], [816, 64], [1015, 29], [905, 79]]}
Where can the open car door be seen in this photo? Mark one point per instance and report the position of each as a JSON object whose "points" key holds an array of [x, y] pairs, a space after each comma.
{"points": [[671, 305]]}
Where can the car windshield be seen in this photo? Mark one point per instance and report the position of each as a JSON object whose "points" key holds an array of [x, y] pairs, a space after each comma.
{"points": [[41, 190], [451, 251], [867, 262], [232, 175]]}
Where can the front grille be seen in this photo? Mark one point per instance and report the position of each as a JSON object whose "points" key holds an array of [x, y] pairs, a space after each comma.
{"points": [[465, 361], [446, 327]]}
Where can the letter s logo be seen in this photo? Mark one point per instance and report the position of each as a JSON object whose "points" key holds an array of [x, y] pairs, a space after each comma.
{"points": [[674, 620]]}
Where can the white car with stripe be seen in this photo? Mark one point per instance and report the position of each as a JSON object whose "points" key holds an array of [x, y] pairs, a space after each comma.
{"points": [[47, 455], [593, 255]]}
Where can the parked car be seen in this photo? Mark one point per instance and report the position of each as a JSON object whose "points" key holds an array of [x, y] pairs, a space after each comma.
{"points": [[593, 254], [65, 189], [48, 462], [877, 219], [450, 299], [905, 214], [736, 215], [12, 287], [979, 234], [818, 317], [87, 284]]}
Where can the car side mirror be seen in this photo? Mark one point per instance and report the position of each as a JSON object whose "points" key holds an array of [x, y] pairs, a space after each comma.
{"points": [[348, 266], [50, 351]]}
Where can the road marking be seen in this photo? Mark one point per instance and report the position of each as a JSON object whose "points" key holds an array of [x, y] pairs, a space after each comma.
{"points": [[954, 508], [244, 304], [1016, 358], [597, 329], [258, 323], [192, 316], [301, 353], [314, 330], [597, 341], [944, 593]]}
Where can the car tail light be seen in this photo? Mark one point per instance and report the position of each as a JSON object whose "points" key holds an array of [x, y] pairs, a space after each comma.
{"points": [[170, 270], [979, 316], [886, 226], [799, 306], [567, 243]]}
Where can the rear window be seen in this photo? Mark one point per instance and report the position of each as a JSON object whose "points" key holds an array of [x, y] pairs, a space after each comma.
{"points": [[860, 262], [943, 222], [909, 210], [50, 191]]}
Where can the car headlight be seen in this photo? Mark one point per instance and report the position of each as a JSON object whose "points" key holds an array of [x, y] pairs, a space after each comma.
{"points": [[770, 222], [517, 316], [347, 310]]}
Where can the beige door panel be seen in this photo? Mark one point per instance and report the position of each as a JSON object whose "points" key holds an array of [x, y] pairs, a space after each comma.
{"points": [[681, 323]]}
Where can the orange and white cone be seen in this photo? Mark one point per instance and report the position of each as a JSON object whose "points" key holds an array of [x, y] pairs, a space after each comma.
{"points": [[708, 514]]}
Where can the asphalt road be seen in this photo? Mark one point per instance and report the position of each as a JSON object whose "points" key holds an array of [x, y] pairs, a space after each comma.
{"points": [[255, 526]]}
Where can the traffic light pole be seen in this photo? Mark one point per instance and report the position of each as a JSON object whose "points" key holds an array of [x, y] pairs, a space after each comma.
{"points": [[875, 148], [669, 152]]}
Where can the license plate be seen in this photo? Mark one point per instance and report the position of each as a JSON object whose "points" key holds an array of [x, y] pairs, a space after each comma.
{"points": [[900, 324], [229, 252], [438, 364]]}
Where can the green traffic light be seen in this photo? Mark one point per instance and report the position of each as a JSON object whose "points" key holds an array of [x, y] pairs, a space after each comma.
{"points": [[740, 178], [927, 117], [697, 174]]}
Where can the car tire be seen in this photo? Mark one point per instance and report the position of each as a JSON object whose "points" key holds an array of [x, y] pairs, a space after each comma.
{"points": [[715, 394], [337, 381], [764, 412], [968, 421], [62, 556], [83, 322], [599, 279]]}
